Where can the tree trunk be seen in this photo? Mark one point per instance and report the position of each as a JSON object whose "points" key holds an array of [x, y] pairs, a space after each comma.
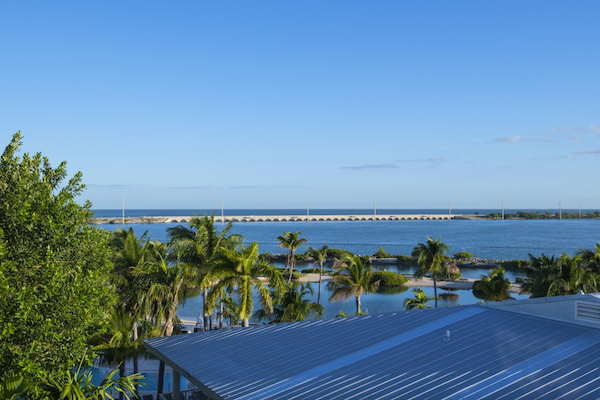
{"points": [[168, 329], [357, 305], [320, 278], [292, 262], [435, 291], [135, 360], [161, 378], [122, 375], [221, 311], [205, 295], [245, 323]]}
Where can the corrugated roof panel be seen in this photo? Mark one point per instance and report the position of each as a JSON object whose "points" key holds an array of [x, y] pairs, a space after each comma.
{"points": [[401, 355]]}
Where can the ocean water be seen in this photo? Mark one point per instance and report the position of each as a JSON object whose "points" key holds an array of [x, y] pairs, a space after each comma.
{"points": [[496, 239]]}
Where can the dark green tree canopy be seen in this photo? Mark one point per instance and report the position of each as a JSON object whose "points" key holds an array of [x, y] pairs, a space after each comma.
{"points": [[54, 267]]}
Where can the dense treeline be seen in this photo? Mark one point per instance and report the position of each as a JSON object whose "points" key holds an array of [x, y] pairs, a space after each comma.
{"points": [[545, 215]]}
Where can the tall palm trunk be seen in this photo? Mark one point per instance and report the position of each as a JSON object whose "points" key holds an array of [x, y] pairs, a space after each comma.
{"points": [[221, 311], [435, 290], [357, 304], [292, 262], [135, 359], [168, 329], [320, 278], [245, 323], [205, 296]]}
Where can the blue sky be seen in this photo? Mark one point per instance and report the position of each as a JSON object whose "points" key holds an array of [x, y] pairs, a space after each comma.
{"points": [[269, 103]]}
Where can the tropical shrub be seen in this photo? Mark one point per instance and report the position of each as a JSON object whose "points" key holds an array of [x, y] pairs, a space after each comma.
{"points": [[388, 278], [381, 253], [463, 254], [515, 263], [339, 253]]}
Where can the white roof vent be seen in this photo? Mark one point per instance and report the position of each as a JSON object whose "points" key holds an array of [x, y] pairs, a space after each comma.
{"points": [[588, 311]]}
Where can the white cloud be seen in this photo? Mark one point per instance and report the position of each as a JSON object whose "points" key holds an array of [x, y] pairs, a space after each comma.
{"points": [[373, 166], [510, 139], [595, 152]]}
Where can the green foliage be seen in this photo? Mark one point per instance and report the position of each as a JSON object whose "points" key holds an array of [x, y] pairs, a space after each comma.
{"points": [[406, 260], [419, 301], [494, 286], [267, 257], [353, 278], [302, 256], [430, 257], [381, 253], [312, 271], [545, 215], [290, 305], [339, 253], [514, 263], [54, 267], [550, 276], [388, 278], [462, 254]]}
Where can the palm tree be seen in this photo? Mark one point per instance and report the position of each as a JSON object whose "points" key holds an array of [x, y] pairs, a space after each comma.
{"points": [[590, 258], [200, 246], [353, 278], [291, 241], [319, 257], [76, 384], [419, 301], [118, 348], [128, 254], [494, 286], [291, 306], [430, 257], [548, 276], [240, 270], [168, 281]]}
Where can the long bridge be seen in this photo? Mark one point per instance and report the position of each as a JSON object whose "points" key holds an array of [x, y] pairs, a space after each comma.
{"points": [[315, 218]]}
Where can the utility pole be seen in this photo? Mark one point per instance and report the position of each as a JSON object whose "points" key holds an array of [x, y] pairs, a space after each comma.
{"points": [[307, 210], [502, 210], [449, 210], [123, 210], [560, 210], [374, 210], [222, 212]]}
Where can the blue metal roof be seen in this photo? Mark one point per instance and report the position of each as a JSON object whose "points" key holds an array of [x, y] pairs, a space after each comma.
{"points": [[491, 353]]}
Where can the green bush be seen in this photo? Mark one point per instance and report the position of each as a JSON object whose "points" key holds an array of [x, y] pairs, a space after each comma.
{"points": [[295, 275], [339, 253], [514, 263], [268, 257], [463, 254], [406, 260], [302, 256], [388, 278], [381, 253], [313, 271]]}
